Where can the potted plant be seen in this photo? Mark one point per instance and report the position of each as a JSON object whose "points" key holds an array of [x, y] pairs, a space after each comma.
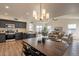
{"points": [[44, 31]]}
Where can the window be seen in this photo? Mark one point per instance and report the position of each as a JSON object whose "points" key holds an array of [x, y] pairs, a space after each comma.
{"points": [[30, 27], [39, 28], [49, 29], [71, 28]]}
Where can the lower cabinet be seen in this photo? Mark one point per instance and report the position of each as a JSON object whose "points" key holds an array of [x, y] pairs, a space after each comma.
{"points": [[10, 36], [19, 36], [26, 35], [2, 37]]}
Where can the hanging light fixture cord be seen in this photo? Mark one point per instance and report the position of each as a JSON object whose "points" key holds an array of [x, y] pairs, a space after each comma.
{"points": [[40, 11]]}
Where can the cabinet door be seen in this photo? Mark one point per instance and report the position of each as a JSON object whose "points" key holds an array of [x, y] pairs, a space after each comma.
{"points": [[20, 25], [2, 24], [2, 37]]}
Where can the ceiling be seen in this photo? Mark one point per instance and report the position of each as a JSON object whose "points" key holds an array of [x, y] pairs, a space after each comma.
{"points": [[25, 10]]}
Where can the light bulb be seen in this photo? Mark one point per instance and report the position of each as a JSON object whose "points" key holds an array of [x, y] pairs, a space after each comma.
{"points": [[47, 15], [34, 13], [43, 12], [6, 7]]}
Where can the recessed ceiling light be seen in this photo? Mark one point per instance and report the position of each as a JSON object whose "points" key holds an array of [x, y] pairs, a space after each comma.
{"points": [[6, 7], [5, 13]]}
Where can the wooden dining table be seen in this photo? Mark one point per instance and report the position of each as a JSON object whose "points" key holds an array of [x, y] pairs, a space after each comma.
{"points": [[47, 46]]}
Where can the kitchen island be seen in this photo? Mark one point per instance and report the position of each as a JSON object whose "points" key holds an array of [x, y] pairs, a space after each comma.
{"points": [[47, 47]]}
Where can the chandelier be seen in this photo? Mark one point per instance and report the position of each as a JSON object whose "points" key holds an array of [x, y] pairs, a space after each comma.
{"points": [[43, 15]]}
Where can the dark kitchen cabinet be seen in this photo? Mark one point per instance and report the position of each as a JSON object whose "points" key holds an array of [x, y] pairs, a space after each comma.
{"points": [[19, 36], [27, 35], [20, 24], [2, 24], [2, 37], [10, 36]]}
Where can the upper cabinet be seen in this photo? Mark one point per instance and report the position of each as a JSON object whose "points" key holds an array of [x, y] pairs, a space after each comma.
{"points": [[20, 24]]}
